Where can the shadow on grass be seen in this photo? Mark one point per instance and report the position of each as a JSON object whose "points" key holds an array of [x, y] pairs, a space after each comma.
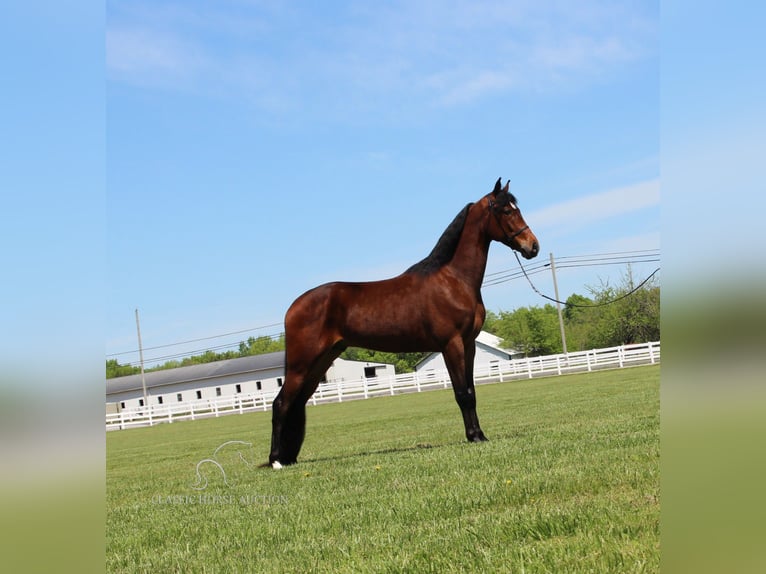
{"points": [[355, 455], [521, 431], [393, 450], [499, 437]]}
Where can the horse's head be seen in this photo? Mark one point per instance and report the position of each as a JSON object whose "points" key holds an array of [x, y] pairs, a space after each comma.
{"points": [[507, 225]]}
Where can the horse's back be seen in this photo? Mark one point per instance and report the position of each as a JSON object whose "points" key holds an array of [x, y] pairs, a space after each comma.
{"points": [[383, 315]]}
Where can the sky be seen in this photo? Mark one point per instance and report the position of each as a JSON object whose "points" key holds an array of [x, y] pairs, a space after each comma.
{"points": [[255, 150], [52, 175]]}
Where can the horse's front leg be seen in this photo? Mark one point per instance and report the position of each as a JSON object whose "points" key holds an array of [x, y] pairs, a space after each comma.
{"points": [[288, 419], [459, 356]]}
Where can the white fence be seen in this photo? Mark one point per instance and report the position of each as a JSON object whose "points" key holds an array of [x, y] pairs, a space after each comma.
{"points": [[527, 368]]}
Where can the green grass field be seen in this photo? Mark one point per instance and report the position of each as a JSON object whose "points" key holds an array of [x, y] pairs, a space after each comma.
{"points": [[569, 482]]}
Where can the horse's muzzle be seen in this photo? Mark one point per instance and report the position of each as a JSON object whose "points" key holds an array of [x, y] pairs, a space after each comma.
{"points": [[531, 252]]}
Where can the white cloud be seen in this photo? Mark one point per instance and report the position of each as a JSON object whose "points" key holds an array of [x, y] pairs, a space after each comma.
{"points": [[577, 52], [419, 53], [459, 88], [588, 209], [143, 56]]}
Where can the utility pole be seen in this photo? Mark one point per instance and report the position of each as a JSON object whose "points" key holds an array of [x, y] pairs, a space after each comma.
{"points": [[141, 356], [558, 305]]}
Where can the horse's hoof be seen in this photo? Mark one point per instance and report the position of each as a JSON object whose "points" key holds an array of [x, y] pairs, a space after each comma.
{"points": [[276, 465]]}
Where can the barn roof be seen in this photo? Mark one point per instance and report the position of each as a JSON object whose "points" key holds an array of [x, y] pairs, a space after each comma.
{"points": [[199, 372]]}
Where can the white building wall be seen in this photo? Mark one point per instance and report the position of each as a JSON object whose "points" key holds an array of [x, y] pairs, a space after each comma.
{"points": [[342, 370], [270, 380], [485, 357]]}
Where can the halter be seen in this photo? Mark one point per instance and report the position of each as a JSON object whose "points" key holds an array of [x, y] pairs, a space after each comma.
{"points": [[495, 209]]}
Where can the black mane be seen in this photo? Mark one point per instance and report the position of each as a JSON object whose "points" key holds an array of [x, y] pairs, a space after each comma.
{"points": [[442, 253]]}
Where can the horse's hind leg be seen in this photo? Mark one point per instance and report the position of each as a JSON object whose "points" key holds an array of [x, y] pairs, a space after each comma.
{"points": [[288, 416]]}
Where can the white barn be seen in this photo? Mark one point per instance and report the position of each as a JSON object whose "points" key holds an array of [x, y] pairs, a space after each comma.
{"points": [[245, 375], [488, 352]]}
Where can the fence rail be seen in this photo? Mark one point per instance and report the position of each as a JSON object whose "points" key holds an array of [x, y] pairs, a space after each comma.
{"points": [[502, 371]]}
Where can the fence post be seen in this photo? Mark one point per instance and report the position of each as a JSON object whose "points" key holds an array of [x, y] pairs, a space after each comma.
{"points": [[620, 352], [651, 352], [529, 367]]}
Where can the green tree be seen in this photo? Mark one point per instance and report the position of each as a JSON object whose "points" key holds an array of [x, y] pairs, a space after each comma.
{"points": [[531, 330], [576, 308], [115, 369], [261, 345], [622, 316], [578, 322], [491, 323], [632, 319]]}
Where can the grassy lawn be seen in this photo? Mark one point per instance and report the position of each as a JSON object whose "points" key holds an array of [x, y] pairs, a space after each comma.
{"points": [[569, 482]]}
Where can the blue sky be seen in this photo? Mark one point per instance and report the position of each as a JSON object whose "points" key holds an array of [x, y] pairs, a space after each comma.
{"points": [[52, 173], [255, 150]]}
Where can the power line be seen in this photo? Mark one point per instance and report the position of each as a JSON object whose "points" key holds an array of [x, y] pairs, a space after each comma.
{"points": [[608, 263], [617, 253], [573, 261], [540, 266], [195, 340], [620, 255]]}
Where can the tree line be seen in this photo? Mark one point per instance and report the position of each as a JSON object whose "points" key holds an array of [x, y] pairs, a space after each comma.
{"points": [[590, 322]]}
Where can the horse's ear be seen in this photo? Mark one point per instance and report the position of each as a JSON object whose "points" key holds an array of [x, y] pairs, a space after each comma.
{"points": [[497, 189], [507, 186]]}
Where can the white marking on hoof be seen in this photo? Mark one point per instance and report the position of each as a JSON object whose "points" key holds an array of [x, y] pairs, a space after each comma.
{"points": [[276, 465]]}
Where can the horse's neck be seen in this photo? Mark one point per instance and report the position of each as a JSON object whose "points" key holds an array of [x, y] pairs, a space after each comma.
{"points": [[470, 259]]}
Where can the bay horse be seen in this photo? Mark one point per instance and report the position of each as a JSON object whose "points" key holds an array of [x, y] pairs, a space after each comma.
{"points": [[435, 305]]}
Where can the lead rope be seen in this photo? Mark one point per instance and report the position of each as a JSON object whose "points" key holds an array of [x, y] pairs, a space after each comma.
{"points": [[536, 290]]}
